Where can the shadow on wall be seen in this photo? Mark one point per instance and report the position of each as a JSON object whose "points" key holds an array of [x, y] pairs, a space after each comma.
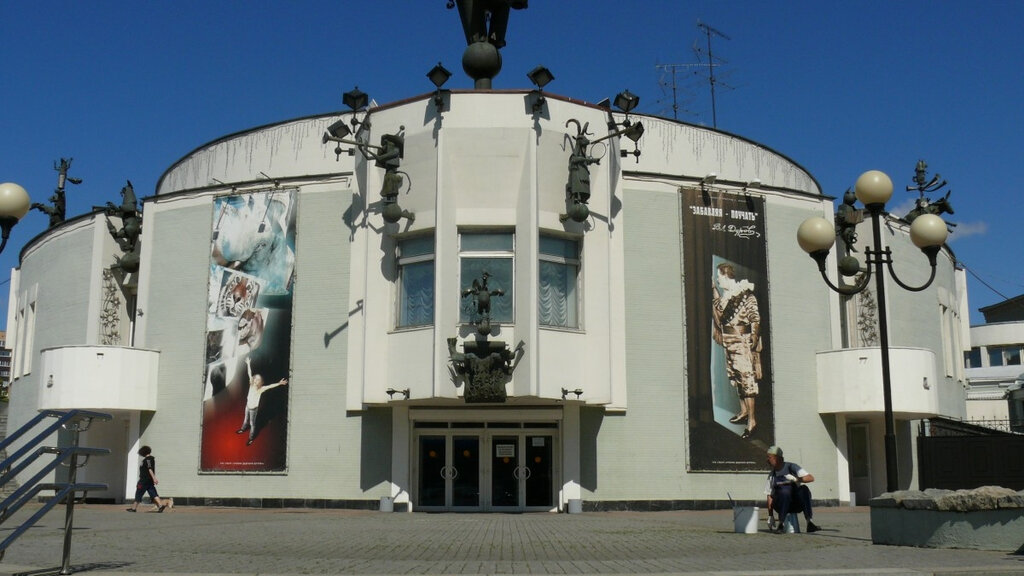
{"points": [[590, 426], [375, 448]]}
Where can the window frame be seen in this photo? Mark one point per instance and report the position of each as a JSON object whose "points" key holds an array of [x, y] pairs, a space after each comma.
{"points": [[404, 262], [576, 264], [487, 254]]}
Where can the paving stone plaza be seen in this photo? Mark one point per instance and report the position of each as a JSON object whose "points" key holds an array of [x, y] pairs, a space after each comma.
{"points": [[206, 540]]}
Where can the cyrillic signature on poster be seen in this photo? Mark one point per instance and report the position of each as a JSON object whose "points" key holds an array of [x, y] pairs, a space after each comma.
{"points": [[739, 231]]}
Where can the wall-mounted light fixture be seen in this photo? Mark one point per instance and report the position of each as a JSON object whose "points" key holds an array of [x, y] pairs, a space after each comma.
{"points": [[224, 184], [338, 132], [626, 101], [391, 393], [578, 392], [276, 183], [540, 76], [357, 101], [438, 76], [705, 183], [388, 155], [14, 204]]}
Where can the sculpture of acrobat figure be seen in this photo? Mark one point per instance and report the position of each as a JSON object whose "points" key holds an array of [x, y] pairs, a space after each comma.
{"points": [[127, 237], [482, 294], [389, 158], [847, 218], [58, 204], [923, 205]]}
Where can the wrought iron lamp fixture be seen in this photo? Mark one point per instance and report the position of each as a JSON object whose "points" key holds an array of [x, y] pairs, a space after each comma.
{"points": [[928, 232], [14, 204], [578, 392], [626, 101], [357, 101], [438, 76], [540, 76], [388, 155], [391, 393]]}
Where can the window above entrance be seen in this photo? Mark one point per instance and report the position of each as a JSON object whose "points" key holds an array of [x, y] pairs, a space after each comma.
{"points": [[493, 253]]}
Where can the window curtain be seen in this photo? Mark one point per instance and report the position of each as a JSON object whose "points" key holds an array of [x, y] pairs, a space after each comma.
{"points": [[417, 294], [557, 298]]}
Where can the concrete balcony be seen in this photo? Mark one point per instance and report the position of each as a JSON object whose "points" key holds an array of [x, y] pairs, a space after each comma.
{"points": [[98, 378], [850, 382]]}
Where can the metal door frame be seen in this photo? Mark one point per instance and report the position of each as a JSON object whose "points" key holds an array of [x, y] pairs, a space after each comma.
{"points": [[491, 426]]}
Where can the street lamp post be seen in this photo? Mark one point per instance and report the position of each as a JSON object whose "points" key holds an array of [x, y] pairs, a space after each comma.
{"points": [[14, 204], [928, 232]]}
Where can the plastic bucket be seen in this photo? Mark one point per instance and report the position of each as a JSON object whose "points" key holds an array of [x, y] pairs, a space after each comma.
{"points": [[792, 524], [387, 504], [745, 519], [575, 506]]}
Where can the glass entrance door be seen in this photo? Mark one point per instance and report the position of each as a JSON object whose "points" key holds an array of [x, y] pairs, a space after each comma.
{"points": [[465, 471], [522, 471], [449, 471], [471, 470], [506, 471], [539, 484]]}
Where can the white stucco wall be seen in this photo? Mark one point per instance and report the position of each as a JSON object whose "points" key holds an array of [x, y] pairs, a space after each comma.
{"points": [[484, 163]]}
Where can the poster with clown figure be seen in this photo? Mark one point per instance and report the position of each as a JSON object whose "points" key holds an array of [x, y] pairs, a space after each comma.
{"points": [[730, 385]]}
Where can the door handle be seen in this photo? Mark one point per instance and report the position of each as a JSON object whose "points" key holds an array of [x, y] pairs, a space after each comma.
{"points": [[516, 473], [528, 472], [454, 473], [444, 472]]}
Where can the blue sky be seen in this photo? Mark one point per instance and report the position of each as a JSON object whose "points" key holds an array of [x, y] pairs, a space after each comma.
{"points": [[128, 88]]}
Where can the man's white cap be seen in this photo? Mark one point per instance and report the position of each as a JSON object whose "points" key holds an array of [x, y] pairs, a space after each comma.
{"points": [[775, 451]]}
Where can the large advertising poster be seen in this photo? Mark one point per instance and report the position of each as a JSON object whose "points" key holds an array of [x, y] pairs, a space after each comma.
{"points": [[729, 384], [248, 333]]}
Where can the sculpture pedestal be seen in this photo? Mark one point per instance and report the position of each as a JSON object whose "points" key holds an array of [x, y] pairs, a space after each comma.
{"points": [[486, 368]]}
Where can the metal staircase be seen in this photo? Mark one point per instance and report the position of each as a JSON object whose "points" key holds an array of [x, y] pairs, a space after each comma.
{"points": [[74, 422]]}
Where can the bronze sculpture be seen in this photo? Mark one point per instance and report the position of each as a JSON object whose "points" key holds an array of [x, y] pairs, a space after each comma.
{"points": [[127, 237], [56, 209], [482, 295]]}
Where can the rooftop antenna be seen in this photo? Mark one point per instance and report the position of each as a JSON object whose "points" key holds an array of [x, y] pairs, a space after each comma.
{"points": [[672, 69], [709, 31]]}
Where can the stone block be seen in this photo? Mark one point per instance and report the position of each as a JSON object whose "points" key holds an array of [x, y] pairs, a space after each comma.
{"points": [[986, 518]]}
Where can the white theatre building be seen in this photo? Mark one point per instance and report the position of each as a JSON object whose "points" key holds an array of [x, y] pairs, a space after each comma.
{"points": [[535, 330]]}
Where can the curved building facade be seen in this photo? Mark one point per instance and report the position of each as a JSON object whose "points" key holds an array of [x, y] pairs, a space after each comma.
{"points": [[489, 304]]}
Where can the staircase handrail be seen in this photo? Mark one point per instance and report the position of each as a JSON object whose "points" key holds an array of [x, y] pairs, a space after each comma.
{"points": [[62, 419], [19, 498], [75, 422]]}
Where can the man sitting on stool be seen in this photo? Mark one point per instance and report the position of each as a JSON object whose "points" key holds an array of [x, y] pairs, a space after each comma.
{"points": [[787, 492]]}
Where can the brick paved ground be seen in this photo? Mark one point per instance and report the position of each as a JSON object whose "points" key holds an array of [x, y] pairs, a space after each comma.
{"points": [[109, 541]]}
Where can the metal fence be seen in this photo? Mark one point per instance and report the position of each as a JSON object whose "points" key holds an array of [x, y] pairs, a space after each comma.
{"points": [[955, 454]]}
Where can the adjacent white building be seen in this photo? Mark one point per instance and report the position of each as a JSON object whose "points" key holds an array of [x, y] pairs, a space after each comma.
{"points": [[994, 370]]}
